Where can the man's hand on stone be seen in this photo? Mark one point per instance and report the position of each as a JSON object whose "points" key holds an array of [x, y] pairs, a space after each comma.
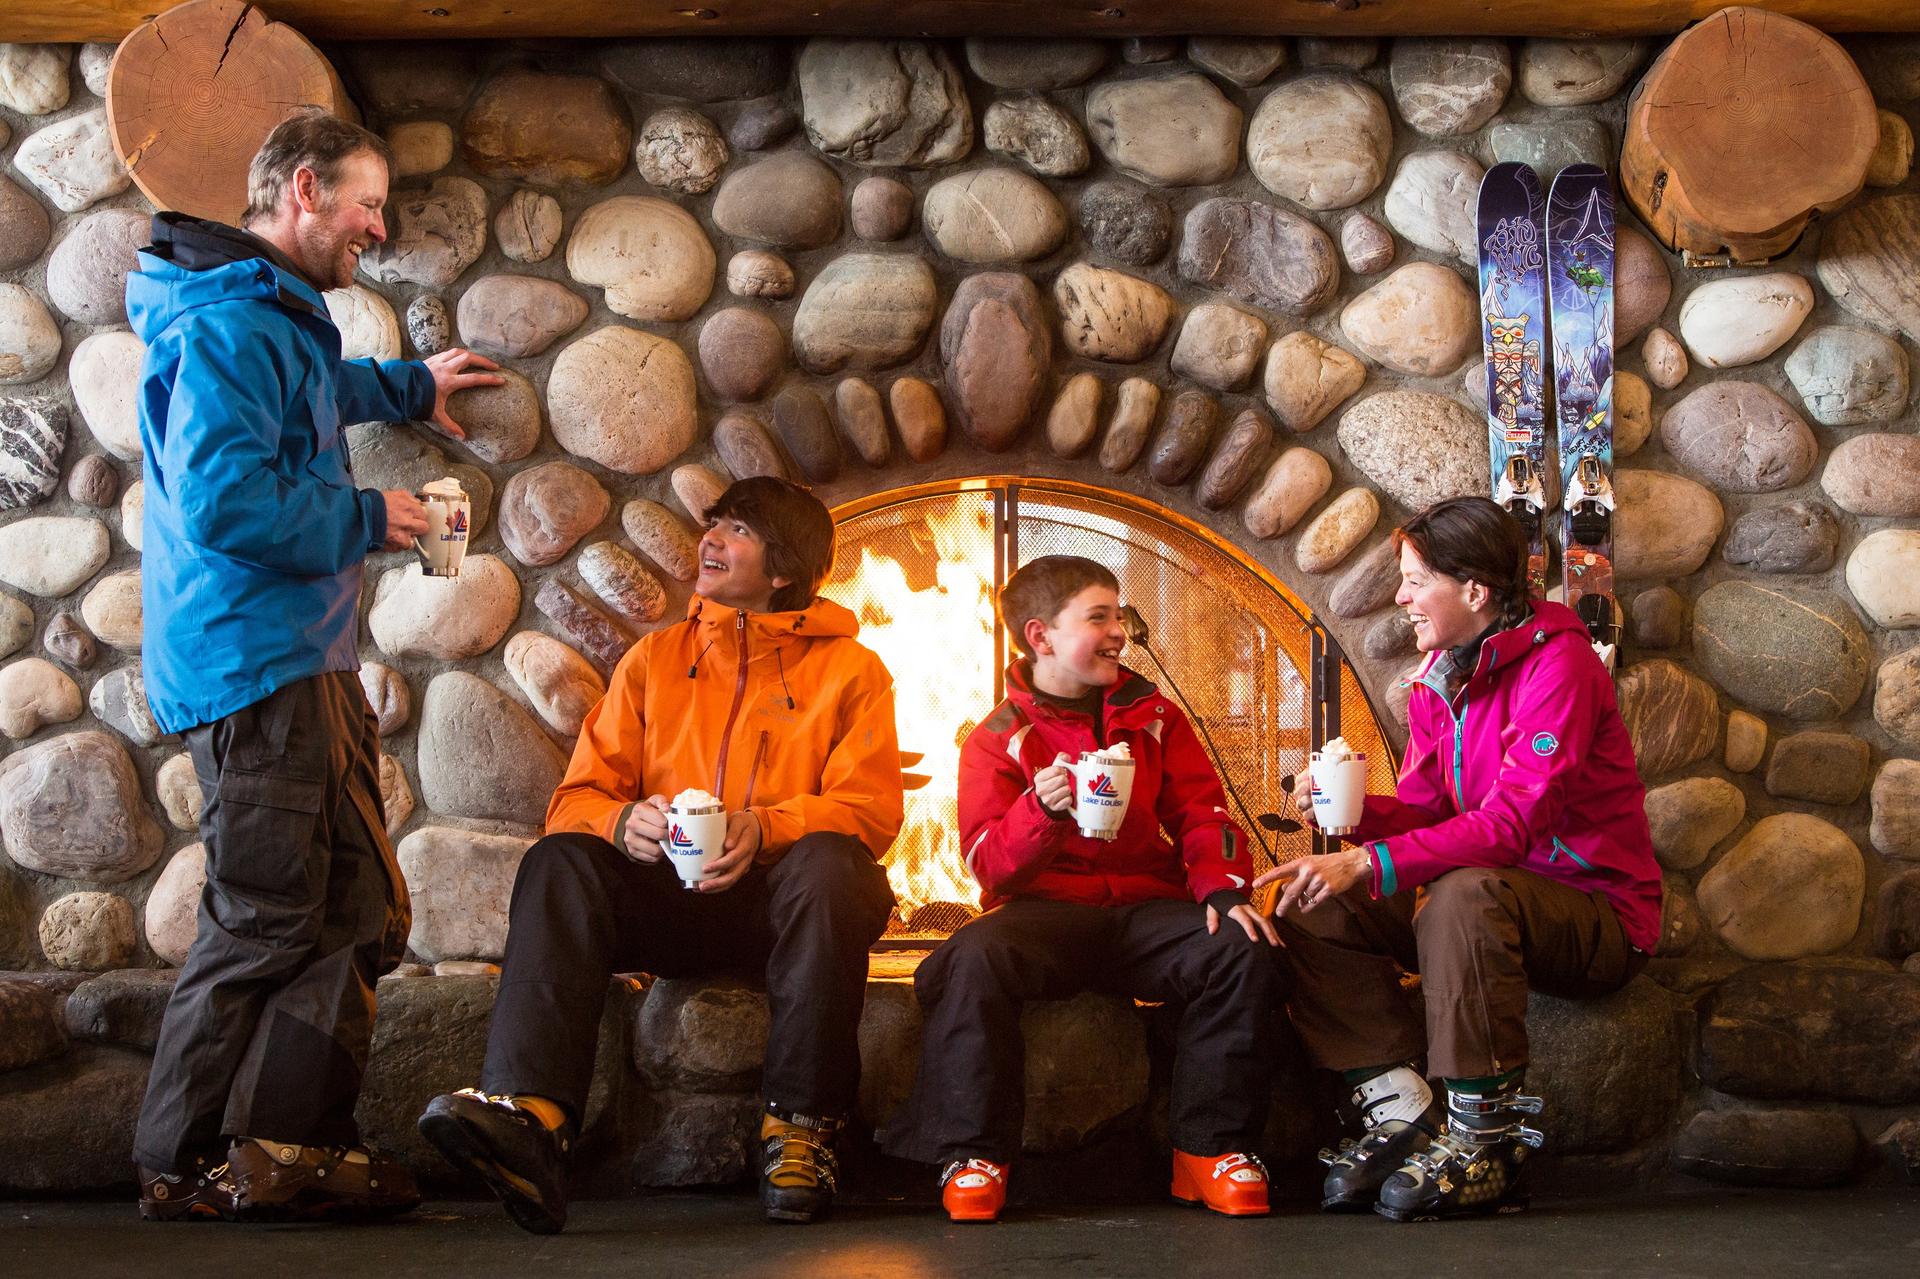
{"points": [[450, 375], [736, 855], [406, 519], [646, 828]]}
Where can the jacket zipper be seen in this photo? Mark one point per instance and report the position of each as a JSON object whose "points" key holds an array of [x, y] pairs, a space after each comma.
{"points": [[739, 695], [759, 755]]}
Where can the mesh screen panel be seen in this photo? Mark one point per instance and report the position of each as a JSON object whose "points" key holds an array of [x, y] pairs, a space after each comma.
{"points": [[920, 569]]}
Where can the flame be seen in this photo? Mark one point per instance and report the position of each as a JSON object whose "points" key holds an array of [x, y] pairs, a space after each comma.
{"points": [[938, 644]]}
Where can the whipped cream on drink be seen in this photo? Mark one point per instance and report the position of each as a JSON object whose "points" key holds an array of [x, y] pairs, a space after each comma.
{"points": [[1117, 751], [1337, 749], [446, 486], [693, 801]]}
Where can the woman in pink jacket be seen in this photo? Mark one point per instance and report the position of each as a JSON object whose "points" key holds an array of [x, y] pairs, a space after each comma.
{"points": [[1514, 856]]}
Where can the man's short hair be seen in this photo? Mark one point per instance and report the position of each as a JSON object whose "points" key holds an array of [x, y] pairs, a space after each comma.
{"points": [[1042, 587], [310, 139], [794, 525]]}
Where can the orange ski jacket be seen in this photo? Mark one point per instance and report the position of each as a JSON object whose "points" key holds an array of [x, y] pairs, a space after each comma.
{"points": [[785, 714]]}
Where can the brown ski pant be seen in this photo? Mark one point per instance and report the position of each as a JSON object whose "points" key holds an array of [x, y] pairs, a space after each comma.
{"points": [[1479, 937]]}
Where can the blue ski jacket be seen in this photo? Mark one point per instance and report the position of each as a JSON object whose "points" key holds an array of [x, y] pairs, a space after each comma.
{"points": [[254, 532]]}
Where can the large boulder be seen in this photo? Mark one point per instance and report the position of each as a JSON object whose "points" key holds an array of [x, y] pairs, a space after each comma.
{"points": [[1744, 319], [1609, 1069], [87, 271], [1791, 537], [448, 618], [1422, 320], [1875, 473], [1795, 651], [1847, 376], [993, 215], [1741, 437], [172, 916], [434, 235], [1663, 525], [1747, 1146], [1672, 716], [1259, 254], [517, 316], [1321, 141], [1687, 818], [545, 510], [790, 200], [1866, 261], [1449, 86], [1432, 200], [1883, 572], [548, 129], [1110, 315], [1176, 130], [71, 807], [1792, 886]]}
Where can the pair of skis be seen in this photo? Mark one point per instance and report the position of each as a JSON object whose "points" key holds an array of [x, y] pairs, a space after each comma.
{"points": [[1541, 275]]}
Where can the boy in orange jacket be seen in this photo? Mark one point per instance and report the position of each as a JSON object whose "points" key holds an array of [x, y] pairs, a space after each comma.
{"points": [[1158, 910], [764, 699]]}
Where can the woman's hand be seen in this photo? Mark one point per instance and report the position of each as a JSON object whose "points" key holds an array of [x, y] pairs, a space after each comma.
{"points": [[1312, 880], [1301, 793]]}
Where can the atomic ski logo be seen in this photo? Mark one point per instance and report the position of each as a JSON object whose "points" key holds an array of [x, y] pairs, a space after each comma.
{"points": [[1103, 787], [1545, 743], [678, 837]]}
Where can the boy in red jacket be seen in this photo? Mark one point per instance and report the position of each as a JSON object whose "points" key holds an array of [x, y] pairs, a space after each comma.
{"points": [[1139, 915]]}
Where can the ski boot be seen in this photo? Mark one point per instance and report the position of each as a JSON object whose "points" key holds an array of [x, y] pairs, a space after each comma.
{"points": [[1398, 1119], [799, 1175], [1472, 1169]]}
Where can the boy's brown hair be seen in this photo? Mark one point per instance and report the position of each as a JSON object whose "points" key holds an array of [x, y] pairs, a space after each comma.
{"points": [[1042, 587]]}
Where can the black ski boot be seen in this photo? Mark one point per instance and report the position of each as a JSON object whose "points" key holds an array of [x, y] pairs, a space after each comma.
{"points": [[1473, 1169], [1399, 1117]]}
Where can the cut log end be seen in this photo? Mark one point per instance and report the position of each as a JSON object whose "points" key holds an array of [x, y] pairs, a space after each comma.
{"points": [[193, 93]]}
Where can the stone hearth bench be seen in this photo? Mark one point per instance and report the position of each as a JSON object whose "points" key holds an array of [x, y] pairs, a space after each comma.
{"points": [[675, 1098]]}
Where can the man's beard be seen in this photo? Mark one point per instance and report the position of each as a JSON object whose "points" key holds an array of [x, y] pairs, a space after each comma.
{"points": [[326, 258]]}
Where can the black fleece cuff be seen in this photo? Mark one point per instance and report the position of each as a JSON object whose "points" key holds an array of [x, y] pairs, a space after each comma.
{"points": [[1225, 899]]}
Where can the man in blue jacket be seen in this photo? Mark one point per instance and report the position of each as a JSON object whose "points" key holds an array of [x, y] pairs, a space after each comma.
{"points": [[254, 539]]}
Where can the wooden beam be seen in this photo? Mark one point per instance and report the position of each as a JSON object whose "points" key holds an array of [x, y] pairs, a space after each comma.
{"points": [[60, 20]]}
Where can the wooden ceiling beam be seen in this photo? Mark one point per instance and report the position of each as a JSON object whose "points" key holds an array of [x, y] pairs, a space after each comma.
{"points": [[62, 20]]}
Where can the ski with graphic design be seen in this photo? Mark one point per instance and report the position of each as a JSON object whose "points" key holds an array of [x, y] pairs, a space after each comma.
{"points": [[1513, 327], [1580, 298]]}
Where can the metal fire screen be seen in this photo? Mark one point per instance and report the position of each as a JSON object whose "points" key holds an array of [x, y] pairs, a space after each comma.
{"points": [[1263, 681]]}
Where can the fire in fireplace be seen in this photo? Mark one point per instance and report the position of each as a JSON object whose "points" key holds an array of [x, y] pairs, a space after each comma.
{"points": [[1260, 678]]}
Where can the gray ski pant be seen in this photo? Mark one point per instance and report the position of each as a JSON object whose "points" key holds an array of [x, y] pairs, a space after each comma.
{"points": [[267, 1032]]}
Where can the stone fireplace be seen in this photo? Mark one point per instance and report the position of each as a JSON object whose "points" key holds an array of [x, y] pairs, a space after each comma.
{"points": [[1197, 307]]}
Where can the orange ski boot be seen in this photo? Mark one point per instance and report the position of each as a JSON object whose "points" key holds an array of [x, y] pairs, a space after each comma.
{"points": [[1234, 1184], [975, 1190]]}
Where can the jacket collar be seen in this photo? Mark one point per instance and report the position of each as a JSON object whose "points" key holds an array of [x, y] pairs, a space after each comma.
{"points": [[1544, 620], [1129, 690], [821, 619]]}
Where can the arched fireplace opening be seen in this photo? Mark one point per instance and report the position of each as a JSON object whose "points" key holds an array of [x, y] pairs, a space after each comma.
{"points": [[1259, 675]]}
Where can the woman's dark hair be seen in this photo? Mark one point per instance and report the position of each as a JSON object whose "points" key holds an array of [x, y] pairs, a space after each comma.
{"points": [[794, 525], [1471, 539]]}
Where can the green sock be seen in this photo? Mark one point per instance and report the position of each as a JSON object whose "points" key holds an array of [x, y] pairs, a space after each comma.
{"points": [[1482, 1084]]}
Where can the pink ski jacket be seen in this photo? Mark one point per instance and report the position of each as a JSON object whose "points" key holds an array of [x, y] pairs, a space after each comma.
{"points": [[1529, 766]]}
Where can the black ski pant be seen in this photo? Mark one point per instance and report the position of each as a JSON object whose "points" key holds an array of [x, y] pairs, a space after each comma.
{"points": [[968, 1097], [583, 910], [267, 1031]]}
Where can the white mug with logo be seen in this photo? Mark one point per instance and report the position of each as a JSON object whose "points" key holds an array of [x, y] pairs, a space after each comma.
{"points": [[444, 545], [696, 835], [1102, 786], [1339, 788]]}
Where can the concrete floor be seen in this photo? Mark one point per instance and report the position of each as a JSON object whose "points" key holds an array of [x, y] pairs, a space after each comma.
{"points": [[688, 1236]]}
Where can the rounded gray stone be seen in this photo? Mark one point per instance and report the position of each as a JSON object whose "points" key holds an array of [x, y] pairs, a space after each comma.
{"points": [[1793, 537], [71, 807], [864, 311], [1432, 199], [699, 69], [1663, 526], [527, 226], [1820, 767], [1795, 651], [433, 236], [33, 436], [1322, 141], [1035, 64], [1793, 886], [87, 273], [1366, 245], [1244, 60], [745, 447], [29, 338], [995, 344], [1740, 436], [461, 882], [1448, 86], [1574, 73], [502, 422], [68, 641], [789, 199], [862, 418], [1176, 130], [1038, 134], [1259, 254], [515, 317], [994, 215], [482, 755], [1848, 376], [1128, 225], [88, 932], [806, 428], [762, 124], [1552, 145], [756, 273], [884, 103], [1658, 617], [1687, 818]]}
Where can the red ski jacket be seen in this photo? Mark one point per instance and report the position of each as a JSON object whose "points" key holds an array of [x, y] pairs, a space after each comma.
{"points": [[1530, 766], [1016, 848]]}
